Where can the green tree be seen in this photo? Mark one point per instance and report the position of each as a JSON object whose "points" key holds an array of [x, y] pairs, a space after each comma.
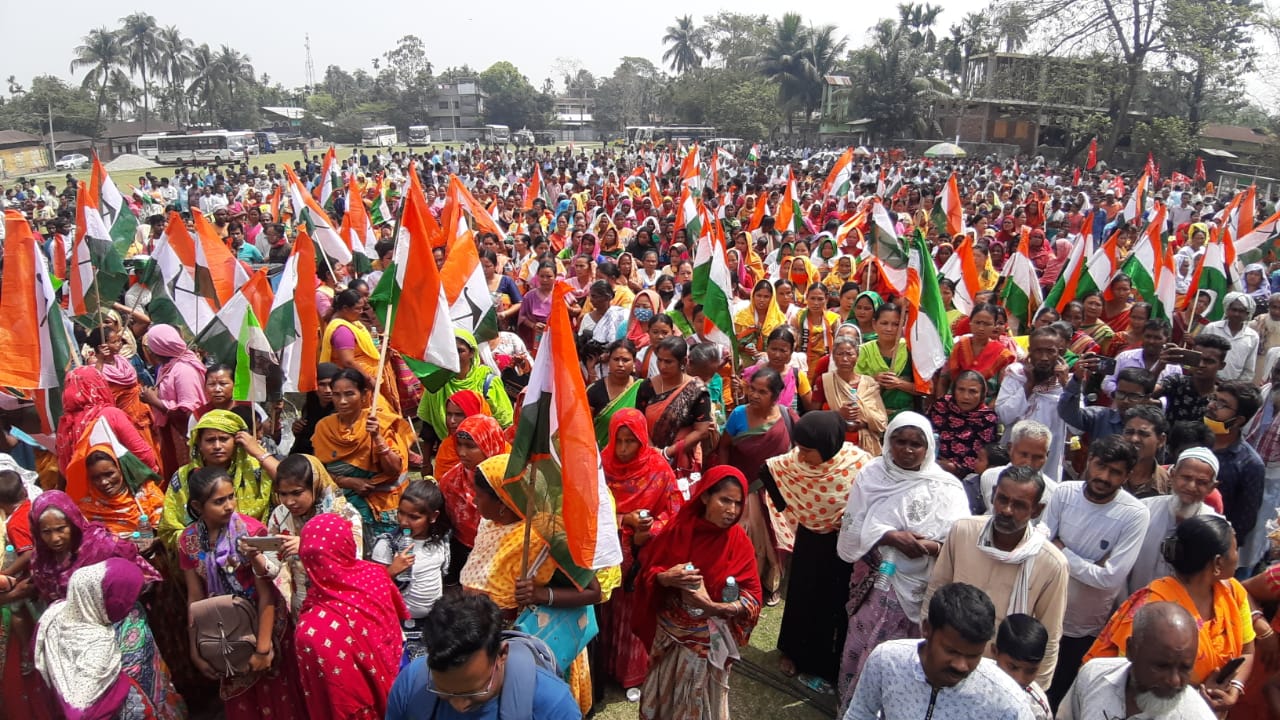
{"points": [[1213, 40], [454, 74], [512, 100], [75, 108], [796, 57], [735, 38], [687, 45], [630, 96], [123, 97], [1171, 140], [175, 66], [101, 53], [744, 109], [139, 38]]}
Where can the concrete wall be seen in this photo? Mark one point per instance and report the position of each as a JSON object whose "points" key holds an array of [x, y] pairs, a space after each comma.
{"points": [[23, 160]]}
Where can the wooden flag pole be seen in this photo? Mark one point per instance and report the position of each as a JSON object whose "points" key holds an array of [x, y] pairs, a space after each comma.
{"points": [[382, 360], [529, 508]]}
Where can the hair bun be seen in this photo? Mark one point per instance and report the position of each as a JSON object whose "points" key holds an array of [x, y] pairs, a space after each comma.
{"points": [[1169, 549]]}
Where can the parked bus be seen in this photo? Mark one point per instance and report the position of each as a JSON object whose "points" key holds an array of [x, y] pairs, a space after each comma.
{"points": [[419, 135], [214, 146], [148, 145], [668, 133], [497, 134], [378, 136]]}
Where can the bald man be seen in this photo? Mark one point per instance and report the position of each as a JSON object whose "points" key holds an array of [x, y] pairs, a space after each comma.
{"points": [[1153, 680]]}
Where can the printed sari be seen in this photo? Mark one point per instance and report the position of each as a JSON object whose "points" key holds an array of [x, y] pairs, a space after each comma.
{"points": [[672, 415], [365, 358], [349, 451]]}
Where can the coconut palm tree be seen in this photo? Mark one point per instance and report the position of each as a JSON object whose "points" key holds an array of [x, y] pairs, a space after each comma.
{"points": [[100, 52], [175, 65], [688, 45], [1011, 25], [235, 71], [917, 21], [783, 61], [122, 96], [205, 82], [139, 38]]}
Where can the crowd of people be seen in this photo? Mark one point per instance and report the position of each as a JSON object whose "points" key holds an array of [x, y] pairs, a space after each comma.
{"points": [[1072, 518]]}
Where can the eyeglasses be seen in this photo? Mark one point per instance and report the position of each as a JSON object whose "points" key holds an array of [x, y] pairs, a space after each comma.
{"points": [[1214, 402], [1121, 395], [488, 687]]}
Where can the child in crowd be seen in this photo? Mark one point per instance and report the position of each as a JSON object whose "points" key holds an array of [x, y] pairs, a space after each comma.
{"points": [[418, 559], [1020, 645], [991, 455]]}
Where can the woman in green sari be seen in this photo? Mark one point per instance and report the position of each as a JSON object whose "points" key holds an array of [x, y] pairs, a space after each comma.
{"points": [[473, 375], [864, 313], [888, 361], [221, 440], [616, 390]]}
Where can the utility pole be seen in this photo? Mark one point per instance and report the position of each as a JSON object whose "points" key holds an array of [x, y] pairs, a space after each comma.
{"points": [[52, 156]]}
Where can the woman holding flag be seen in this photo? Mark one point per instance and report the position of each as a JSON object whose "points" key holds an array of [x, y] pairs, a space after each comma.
{"points": [[348, 344], [86, 399]]}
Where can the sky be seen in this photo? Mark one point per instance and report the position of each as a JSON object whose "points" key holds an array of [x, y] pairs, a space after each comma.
{"points": [[454, 33]]}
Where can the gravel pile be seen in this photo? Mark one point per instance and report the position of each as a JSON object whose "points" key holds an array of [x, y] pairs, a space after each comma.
{"points": [[131, 162]]}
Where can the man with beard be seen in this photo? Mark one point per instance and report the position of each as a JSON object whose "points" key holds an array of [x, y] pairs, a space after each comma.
{"points": [[1010, 559], [1152, 681], [1192, 478], [1099, 527], [946, 675], [1031, 390]]}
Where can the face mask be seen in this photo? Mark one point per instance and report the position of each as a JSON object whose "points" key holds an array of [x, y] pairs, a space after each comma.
{"points": [[1217, 427], [644, 314]]}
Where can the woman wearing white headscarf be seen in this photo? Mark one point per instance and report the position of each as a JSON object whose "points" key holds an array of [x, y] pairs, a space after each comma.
{"points": [[1242, 360], [901, 508]]}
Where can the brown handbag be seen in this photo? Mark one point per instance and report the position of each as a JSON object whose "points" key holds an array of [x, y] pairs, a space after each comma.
{"points": [[225, 629]]}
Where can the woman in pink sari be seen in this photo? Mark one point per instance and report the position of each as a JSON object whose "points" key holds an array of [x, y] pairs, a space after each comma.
{"points": [[179, 391]]}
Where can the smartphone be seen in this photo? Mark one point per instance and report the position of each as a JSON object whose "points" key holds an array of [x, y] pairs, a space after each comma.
{"points": [[1229, 670], [1190, 358], [1106, 365], [269, 543]]}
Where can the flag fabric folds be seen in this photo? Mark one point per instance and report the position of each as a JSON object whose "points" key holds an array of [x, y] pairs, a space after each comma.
{"points": [[293, 325], [1021, 294], [35, 345], [928, 333]]}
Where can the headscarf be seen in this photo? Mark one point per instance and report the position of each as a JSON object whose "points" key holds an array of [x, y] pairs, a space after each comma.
{"points": [[165, 342], [456, 484], [84, 398], [873, 296], [253, 494], [1061, 253], [1244, 298], [1258, 268], [126, 336], [646, 462], [91, 542], [122, 512], [802, 274], [745, 319], [815, 495], [76, 648], [470, 403], [357, 590], [1198, 227], [636, 332], [716, 552], [431, 409], [119, 371]]}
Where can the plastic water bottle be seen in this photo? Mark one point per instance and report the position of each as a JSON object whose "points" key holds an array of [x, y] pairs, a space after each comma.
{"points": [[633, 694], [730, 594], [10, 552], [693, 611], [406, 541], [888, 568], [145, 531]]}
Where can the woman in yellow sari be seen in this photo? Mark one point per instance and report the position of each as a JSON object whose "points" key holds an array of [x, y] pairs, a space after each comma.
{"points": [[366, 452], [347, 344], [839, 275], [815, 326], [494, 568], [753, 323], [1203, 555]]}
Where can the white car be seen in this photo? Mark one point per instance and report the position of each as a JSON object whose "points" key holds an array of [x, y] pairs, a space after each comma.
{"points": [[75, 161]]}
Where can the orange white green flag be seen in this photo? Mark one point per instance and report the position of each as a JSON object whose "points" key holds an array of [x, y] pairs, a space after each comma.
{"points": [[293, 323], [308, 213], [555, 465], [35, 349]]}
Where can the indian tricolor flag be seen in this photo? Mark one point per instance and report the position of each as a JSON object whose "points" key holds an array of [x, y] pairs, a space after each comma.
{"points": [[186, 289], [754, 154], [928, 333], [221, 337], [357, 229], [1021, 295], [1144, 264], [555, 466], [293, 323], [1137, 202], [470, 305], [35, 347], [329, 181], [962, 270], [309, 214], [712, 285], [1211, 278], [254, 361], [952, 207], [410, 297], [96, 274], [840, 180], [1101, 267], [100, 437], [885, 248], [1067, 286], [790, 216], [117, 216], [1264, 238], [690, 171], [537, 189], [225, 271]]}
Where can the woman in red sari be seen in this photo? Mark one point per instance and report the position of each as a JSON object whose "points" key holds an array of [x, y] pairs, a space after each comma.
{"points": [[646, 499], [980, 351], [478, 437], [460, 406], [350, 624], [85, 399], [677, 407], [122, 380], [1117, 303]]}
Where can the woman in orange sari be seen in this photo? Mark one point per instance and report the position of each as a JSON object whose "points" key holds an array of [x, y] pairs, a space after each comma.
{"points": [[122, 380], [119, 496], [478, 437], [980, 350], [348, 344], [677, 408], [1203, 555], [86, 399], [460, 406]]}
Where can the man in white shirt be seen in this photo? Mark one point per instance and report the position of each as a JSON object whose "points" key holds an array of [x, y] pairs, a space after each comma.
{"points": [[1029, 443], [1192, 478], [946, 675], [1243, 357], [1031, 390], [1152, 681], [1099, 527]]}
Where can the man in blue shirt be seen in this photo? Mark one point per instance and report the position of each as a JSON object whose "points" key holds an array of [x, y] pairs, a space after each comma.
{"points": [[473, 673]]}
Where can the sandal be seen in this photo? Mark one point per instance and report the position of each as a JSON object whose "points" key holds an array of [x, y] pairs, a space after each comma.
{"points": [[816, 684], [787, 667], [772, 599]]}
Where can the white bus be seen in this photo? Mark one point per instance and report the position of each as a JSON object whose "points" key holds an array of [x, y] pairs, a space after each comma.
{"points": [[497, 134], [419, 135], [216, 146], [148, 145], [637, 134], [378, 136]]}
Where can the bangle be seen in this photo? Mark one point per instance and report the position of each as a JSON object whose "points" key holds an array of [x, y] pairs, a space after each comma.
{"points": [[551, 597], [386, 450], [1255, 614], [1237, 685], [262, 457], [1264, 636]]}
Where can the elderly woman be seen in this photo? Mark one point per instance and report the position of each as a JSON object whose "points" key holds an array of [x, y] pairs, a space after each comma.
{"points": [[96, 650], [965, 423], [179, 392], [756, 431], [852, 395], [1202, 552], [901, 508], [809, 485], [683, 610], [677, 407]]}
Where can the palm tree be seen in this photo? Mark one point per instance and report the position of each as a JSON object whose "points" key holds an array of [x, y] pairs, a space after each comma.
{"points": [[204, 79], [825, 49], [783, 61], [688, 44], [235, 71], [1011, 25], [917, 21], [175, 64], [122, 96], [139, 39], [100, 52]]}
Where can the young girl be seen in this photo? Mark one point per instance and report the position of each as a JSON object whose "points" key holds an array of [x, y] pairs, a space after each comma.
{"points": [[215, 563], [418, 558]]}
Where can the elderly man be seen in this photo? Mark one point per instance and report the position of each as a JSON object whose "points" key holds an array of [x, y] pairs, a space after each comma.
{"points": [[1029, 442], [1010, 559], [1152, 681], [1192, 478], [1241, 362], [1032, 389]]}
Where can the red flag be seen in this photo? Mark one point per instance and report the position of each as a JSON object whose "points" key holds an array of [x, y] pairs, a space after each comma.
{"points": [[1075, 178], [1093, 155], [1200, 175], [1178, 177]]}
